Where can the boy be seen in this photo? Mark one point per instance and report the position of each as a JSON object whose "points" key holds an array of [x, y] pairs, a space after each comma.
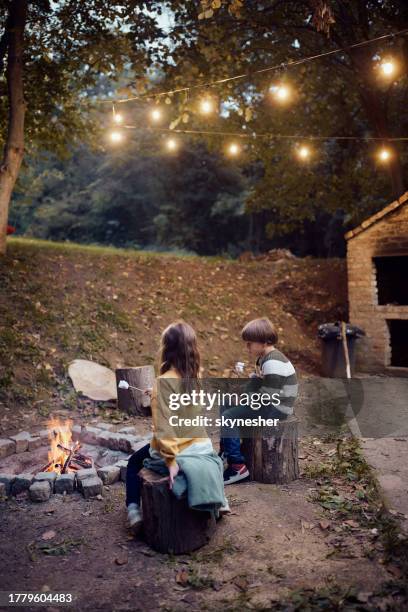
{"points": [[274, 374]]}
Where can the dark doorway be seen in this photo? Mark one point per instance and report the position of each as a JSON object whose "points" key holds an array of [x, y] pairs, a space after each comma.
{"points": [[392, 285], [399, 342]]}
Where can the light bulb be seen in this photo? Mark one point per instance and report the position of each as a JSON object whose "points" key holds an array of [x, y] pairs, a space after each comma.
{"points": [[303, 152], [171, 144], [281, 93], [384, 155], [156, 114], [206, 106], [388, 68], [118, 118], [233, 149], [116, 136]]}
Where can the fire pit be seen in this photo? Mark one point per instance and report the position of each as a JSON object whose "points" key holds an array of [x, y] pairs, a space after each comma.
{"points": [[66, 458]]}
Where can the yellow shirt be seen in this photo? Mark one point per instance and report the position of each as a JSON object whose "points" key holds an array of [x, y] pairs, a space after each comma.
{"points": [[167, 445]]}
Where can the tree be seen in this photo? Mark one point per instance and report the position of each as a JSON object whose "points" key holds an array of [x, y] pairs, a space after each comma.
{"points": [[54, 53], [338, 95]]}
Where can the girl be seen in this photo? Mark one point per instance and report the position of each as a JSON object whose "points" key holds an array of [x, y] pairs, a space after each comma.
{"points": [[180, 361]]}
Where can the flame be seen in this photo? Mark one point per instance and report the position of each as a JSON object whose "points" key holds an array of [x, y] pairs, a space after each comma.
{"points": [[58, 433]]}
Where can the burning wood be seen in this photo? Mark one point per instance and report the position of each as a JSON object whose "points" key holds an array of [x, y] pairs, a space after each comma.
{"points": [[63, 455]]}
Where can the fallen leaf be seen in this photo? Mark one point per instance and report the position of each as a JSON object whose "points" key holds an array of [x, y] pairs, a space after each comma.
{"points": [[182, 576], [121, 559], [324, 524]]}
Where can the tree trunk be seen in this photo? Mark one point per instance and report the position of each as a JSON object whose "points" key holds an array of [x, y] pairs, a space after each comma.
{"points": [[14, 146], [131, 400], [169, 525], [271, 454]]}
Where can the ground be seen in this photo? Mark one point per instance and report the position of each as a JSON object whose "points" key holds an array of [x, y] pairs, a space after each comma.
{"points": [[323, 542]]}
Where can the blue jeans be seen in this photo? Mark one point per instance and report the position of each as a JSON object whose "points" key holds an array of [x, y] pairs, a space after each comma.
{"points": [[230, 442], [133, 481]]}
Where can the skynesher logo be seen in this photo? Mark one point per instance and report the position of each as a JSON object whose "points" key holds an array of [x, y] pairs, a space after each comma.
{"points": [[207, 400]]}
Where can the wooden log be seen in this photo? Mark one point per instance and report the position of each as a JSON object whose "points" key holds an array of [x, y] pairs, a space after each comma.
{"points": [[168, 523], [271, 454], [131, 400]]}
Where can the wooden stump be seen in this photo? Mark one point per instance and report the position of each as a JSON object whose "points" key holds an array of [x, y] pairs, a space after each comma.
{"points": [[272, 453], [168, 523], [131, 400]]}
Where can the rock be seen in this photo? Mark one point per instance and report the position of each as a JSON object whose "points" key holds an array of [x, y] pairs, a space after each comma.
{"points": [[21, 439], [122, 465], [65, 483], [8, 480], [21, 483], [7, 447], [109, 474], [93, 380], [48, 477], [137, 445], [90, 434], [34, 442], [44, 437], [76, 432], [128, 430], [84, 474], [3, 493], [103, 438], [105, 426], [40, 491], [91, 487]]}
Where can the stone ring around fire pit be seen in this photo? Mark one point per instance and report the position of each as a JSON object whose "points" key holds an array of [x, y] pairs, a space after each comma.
{"points": [[65, 458]]}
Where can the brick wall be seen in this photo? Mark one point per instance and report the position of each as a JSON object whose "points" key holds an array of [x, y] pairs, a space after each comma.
{"points": [[388, 236]]}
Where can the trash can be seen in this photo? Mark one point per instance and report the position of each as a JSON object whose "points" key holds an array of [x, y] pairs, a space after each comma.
{"points": [[333, 359]]}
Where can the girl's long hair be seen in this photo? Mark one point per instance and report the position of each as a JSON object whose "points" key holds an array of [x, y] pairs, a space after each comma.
{"points": [[179, 350]]}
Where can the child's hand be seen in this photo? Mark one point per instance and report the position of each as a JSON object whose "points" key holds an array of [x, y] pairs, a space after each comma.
{"points": [[173, 471], [148, 391]]}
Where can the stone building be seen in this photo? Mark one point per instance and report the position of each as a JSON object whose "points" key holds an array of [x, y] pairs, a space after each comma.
{"points": [[377, 264]]}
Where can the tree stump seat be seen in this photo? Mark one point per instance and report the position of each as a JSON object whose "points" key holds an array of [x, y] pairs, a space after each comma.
{"points": [[271, 454], [169, 525], [131, 400]]}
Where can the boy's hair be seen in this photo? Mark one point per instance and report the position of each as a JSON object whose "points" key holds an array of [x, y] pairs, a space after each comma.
{"points": [[260, 330]]}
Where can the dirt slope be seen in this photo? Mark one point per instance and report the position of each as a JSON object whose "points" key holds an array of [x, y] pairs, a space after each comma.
{"points": [[60, 301]]}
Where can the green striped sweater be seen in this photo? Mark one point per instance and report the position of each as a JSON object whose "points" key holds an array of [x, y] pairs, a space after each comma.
{"points": [[276, 374]]}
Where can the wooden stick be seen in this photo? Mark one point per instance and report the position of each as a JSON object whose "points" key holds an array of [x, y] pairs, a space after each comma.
{"points": [[345, 348]]}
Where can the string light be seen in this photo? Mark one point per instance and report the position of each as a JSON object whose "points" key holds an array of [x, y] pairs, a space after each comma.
{"points": [[171, 144], [117, 118], [233, 149], [156, 114], [116, 136], [206, 106], [388, 68], [304, 152], [384, 155], [281, 93], [278, 67]]}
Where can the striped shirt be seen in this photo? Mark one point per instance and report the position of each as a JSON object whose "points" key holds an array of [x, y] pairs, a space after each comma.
{"points": [[276, 374]]}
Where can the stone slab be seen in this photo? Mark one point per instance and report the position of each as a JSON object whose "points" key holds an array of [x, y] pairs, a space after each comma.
{"points": [[122, 465], [91, 487], [3, 493], [34, 443], [21, 483], [90, 434], [48, 477], [128, 430], [21, 439], [40, 491], [105, 426], [65, 483], [109, 474], [8, 480], [84, 474], [7, 448]]}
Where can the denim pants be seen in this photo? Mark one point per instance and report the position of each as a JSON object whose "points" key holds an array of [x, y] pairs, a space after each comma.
{"points": [[133, 482], [230, 443]]}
